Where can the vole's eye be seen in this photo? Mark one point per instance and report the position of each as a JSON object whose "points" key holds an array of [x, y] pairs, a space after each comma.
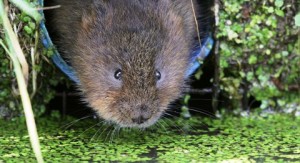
{"points": [[157, 75], [118, 74]]}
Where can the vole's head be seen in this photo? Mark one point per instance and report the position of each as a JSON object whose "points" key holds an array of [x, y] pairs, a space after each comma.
{"points": [[131, 66]]}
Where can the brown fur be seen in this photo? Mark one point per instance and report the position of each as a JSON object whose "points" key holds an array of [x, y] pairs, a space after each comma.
{"points": [[137, 36]]}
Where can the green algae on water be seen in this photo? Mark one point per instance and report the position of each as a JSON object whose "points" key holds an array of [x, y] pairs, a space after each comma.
{"points": [[269, 139]]}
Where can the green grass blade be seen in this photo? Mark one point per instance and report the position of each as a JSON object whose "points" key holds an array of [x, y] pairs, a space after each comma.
{"points": [[14, 51], [25, 7]]}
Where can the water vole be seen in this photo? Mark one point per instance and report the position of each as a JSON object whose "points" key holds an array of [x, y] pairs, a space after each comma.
{"points": [[131, 56]]}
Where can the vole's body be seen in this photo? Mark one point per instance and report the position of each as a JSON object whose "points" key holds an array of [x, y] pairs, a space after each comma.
{"points": [[148, 42]]}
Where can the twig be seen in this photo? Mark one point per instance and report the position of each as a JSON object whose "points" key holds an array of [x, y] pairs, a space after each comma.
{"points": [[34, 72], [217, 61], [196, 22], [48, 8]]}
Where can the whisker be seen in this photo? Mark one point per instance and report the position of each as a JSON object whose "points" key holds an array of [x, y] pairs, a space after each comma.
{"points": [[203, 112], [112, 135], [103, 132], [91, 127], [175, 125], [66, 126], [173, 111], [172, 116], [97, 132], [94, 135], [159, 123], [203, 99]]}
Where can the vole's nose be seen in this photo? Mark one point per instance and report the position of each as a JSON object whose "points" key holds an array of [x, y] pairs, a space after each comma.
{"points": [[143, 116], [139, 120]]}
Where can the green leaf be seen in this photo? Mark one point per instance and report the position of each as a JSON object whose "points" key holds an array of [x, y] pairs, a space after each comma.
{"points": [[279, 3], [285, 53], [297, 20], [198, 74], [250, 76], [186, 99], [252, 59], [279, 13], [270, 9], [224, 63]]}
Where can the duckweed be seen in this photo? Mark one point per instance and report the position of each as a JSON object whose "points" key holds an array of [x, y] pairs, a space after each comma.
{"points": [[247, 139]]}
